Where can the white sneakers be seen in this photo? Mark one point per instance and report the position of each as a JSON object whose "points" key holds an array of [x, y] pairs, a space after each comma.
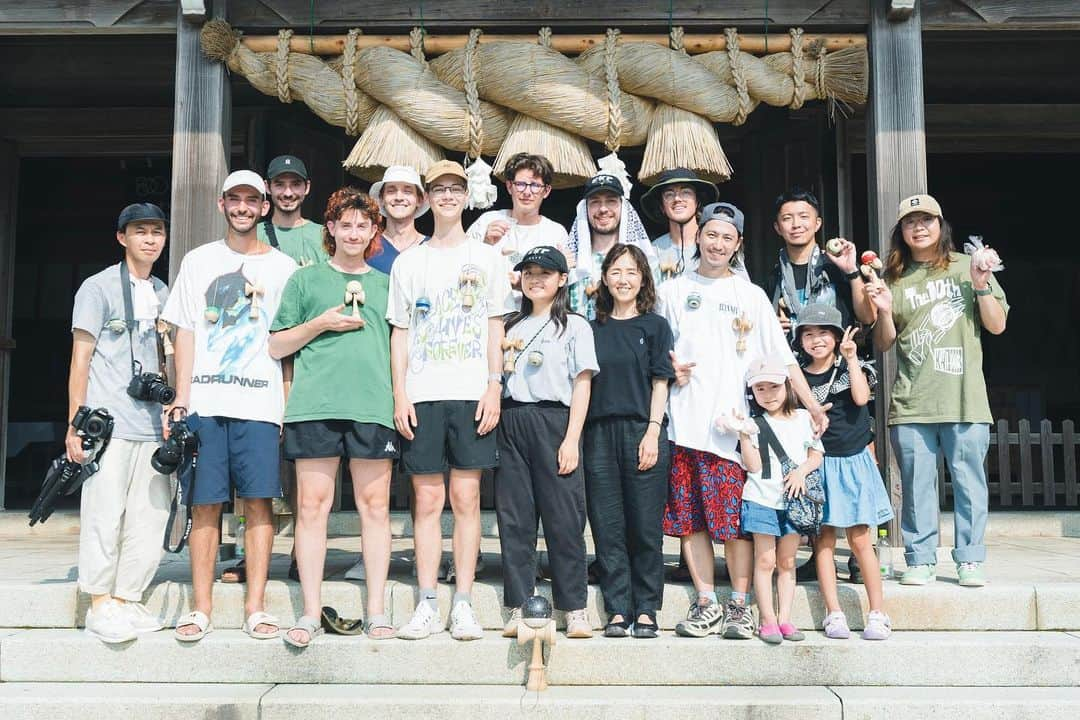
{"points": [[463, 622], [141, 619], [110, 623], [424, 622]]}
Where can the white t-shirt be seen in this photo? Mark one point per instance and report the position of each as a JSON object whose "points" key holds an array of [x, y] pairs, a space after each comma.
{"points": [[233, 374], [669, 254], [448, 358], [520, 239], [705, 336], [796, 436], [564, 354]]}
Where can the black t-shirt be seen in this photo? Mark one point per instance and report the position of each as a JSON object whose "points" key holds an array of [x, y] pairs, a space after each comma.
{"points": [[841, 284], [849, 424], [630, 354]]}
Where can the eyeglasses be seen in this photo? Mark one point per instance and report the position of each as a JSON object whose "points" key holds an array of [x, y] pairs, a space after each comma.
{"points": [[681, 194], [440, 190], [533, 187], [911, 221]]}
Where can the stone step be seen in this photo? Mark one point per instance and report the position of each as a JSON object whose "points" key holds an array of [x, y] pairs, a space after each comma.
{"points": [[181, 701], [941, 605], [939, 659], [1002, 524]]}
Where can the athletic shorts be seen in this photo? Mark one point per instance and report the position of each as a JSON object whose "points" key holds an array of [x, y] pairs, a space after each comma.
{"points": [[340, 438], [704, 493], [446, 437], [240, 454]]}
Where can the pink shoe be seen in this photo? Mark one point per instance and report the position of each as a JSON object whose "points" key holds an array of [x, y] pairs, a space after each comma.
{"points": [[771, 634], [790, 632]]}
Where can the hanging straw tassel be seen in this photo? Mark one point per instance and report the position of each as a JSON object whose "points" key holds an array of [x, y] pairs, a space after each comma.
{"points": [[387, 141], [682, 139]]}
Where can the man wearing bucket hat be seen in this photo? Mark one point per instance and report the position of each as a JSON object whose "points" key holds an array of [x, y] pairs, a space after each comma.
{"points": [[225, 297], [604, 218], [285, 228], [125, 505], [401, 199], [676, 198], [447, 298]]}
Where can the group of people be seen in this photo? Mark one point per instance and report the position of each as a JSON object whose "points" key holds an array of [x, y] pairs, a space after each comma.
{"points": [[645, 385]]}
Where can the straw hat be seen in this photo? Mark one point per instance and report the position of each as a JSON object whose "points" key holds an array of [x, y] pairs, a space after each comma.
{"points": [[405, 174], [650, 201]]}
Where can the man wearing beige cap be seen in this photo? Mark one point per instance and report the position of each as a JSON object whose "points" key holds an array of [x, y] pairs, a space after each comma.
{"points": [[225, 296], [447, 297]]}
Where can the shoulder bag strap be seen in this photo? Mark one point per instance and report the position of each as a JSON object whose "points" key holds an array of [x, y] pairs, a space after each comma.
{"points": [[271, 234], [769, 440]]}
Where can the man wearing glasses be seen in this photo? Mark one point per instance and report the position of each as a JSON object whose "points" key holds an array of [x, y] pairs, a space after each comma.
{"points": [[515, 231], [447, 298], [675, 199]]}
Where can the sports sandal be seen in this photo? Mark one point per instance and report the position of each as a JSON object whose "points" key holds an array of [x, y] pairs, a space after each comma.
{"points": [[235, 574], [199, 620], [377, 625], [333, 623], [303, 624], [258, 618]]}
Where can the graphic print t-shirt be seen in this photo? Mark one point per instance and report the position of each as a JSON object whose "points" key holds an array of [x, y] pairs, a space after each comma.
{"points": [[233, 374], [448, 357], [939, 358]]}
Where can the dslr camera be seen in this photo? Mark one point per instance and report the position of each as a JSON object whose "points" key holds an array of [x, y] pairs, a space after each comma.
{"points": [[150, 386], [181, 445], [65, 476]]}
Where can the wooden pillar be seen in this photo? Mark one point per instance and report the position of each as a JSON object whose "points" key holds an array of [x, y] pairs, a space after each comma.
{"points": [[896, 168], [9, 184], [202, 136]]}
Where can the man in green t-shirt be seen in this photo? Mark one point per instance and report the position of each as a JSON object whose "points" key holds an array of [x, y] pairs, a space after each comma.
{"points": [[933, 305], [301, 239]]}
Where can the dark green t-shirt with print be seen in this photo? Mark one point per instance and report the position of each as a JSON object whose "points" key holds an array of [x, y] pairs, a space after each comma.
{"points": [[302, 243], [339, 375]]}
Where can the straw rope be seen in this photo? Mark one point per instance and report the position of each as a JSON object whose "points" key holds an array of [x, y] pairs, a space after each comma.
{"points": [[472, 96], [735, 61], [677, 36], [544, 37], [348, 81], [416, 45], [614, 106], [798, 97], [281, 66]]}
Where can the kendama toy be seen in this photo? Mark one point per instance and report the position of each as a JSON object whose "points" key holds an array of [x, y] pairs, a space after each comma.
{"points": [[591, 289], [469, 280], [870, 265], [742, 327], [668, 269], [254, 292], [422, 305], [212, 313], [354, 295], [509, 346], [537, 627], [536, 358], [693, 300], [835, 247], [162, 328]]}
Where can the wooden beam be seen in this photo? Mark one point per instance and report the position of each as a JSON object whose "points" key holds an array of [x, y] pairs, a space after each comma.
{"points": [[567, 44], [96, 16], [201, 147], [9, 193], [896, 168]]}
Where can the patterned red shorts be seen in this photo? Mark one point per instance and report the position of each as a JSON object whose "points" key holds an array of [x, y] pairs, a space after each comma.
{"points": [[704, 493]]}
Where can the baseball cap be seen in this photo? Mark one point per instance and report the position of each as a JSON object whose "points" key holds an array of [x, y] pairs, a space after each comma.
{"points": [[243, 177], [918, 203], [140, 211], [545, 256], [405, 174], [444, 167], [722, 211], [602, 182], [286, 164], [767, 369], [819, 315]]}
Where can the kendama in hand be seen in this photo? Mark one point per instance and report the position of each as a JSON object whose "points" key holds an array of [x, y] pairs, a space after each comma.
{"points": [[870, 265], [354, 294], [835, 247], [255, 292]]}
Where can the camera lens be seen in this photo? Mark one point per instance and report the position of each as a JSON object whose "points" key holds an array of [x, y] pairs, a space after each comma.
{"points": [[95, 427], [165, 459], [162, 393]]}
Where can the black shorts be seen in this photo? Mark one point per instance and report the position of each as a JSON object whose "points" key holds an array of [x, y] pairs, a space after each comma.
{"points": [[340, 438], [446, 438]]}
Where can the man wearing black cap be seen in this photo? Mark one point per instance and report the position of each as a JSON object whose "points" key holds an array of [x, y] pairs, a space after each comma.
{"points": [[604, 217], [676, 198], [125, 505], [288, 185]]}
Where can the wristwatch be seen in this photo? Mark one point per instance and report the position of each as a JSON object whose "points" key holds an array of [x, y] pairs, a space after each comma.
{"points": [[988, 290], [853, 274], [496, 377]]}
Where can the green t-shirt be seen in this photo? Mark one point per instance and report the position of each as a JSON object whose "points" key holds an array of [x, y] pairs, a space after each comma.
{"points": [[339, 375], [302, 243], [939, 358]]}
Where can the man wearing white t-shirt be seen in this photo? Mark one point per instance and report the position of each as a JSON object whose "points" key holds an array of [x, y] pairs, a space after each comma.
{"points": [[720, 321], [447, 297], [518, 230], [225, 297]]}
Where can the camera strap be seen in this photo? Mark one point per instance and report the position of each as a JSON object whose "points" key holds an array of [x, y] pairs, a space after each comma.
{"points": [[129, 320]]}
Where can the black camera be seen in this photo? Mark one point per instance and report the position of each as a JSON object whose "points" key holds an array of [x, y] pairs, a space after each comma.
{"points": [[65, 476], [150, 386], [182, 443], [94, 424]]}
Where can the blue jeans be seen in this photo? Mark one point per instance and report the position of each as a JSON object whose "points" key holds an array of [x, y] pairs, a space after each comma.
{"points": [[965, 445]]}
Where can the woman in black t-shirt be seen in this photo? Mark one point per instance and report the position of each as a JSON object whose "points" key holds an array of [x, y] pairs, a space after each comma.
{"points": [[627, 455]]}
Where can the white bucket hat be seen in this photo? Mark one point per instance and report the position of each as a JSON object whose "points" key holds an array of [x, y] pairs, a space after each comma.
{"points": [[401, 173]]}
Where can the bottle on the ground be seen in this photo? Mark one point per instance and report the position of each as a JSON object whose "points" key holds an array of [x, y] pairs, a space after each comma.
{"points": [[884, 553], [240, 527]]}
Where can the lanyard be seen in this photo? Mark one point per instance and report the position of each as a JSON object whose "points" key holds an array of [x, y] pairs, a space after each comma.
{"points": [[129, 320]]}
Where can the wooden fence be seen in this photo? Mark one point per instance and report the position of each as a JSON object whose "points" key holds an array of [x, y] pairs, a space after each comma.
{"points": [[1027, 468]]}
